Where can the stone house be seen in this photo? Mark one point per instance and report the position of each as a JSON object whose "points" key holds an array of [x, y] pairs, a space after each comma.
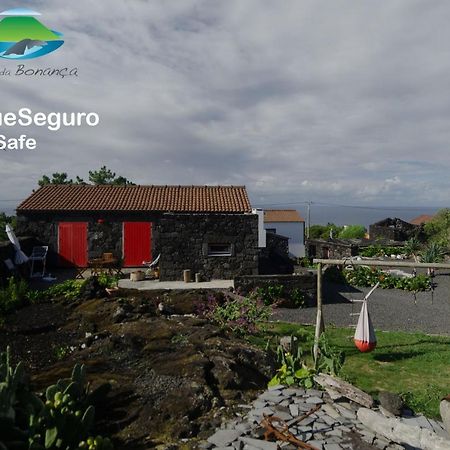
{"points": [[332, 248], [393, 230], [289, 223], [207, 229]]}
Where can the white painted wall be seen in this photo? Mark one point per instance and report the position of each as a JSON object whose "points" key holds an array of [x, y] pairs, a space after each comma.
{"points": [[295, 231], [261, 228]]}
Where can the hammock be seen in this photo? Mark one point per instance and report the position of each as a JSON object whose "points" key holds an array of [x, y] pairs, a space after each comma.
{"points": [[365, 339]]}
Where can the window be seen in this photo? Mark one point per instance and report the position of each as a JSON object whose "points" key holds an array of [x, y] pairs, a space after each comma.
{"points": [[220, 250]]}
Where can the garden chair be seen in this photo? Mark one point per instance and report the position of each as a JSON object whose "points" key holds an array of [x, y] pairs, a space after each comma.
{"points": [[152, 266], [39, 255], [11, 266]]}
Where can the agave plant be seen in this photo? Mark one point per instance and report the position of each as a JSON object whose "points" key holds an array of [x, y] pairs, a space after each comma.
{"points": [[434, 253], [413, 247]]}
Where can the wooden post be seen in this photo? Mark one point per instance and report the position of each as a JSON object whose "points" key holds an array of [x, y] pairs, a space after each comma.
{"points": [[319, 318], [187, 275]]}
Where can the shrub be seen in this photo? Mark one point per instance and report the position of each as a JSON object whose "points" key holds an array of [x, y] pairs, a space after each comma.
{"points": [[69, 289], [380, 250], [270, 294], [367, 277], [13, 295], [425, 401], [276, 293], [106, 280], [294, 370], [352, 232], [243, 315], [433, 253]]}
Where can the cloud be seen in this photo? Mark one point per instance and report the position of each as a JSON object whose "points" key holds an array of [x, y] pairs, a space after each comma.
{"points": [[325, 101]]}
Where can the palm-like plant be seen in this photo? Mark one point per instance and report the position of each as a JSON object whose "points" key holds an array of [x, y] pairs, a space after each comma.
{"points": [[434, 253], [413, 247]]}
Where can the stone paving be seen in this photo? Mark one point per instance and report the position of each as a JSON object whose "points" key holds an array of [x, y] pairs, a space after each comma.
{"points": [[332, 427]]}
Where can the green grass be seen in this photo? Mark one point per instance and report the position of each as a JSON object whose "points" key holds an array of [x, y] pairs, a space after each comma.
{"points": [[415, 365]]}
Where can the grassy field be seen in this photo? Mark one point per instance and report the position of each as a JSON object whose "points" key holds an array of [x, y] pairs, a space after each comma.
{"points": [[413, 364]]}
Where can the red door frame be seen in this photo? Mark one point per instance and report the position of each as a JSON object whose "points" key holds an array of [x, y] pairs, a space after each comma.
{"points": [[72, 244], [136, 243]]}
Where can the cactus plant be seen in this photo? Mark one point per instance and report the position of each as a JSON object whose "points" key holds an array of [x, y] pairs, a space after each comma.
{"points": [[62, 422]]}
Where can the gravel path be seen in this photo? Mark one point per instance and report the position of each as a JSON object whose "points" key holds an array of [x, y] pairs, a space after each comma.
{"points": [[390, 309]]}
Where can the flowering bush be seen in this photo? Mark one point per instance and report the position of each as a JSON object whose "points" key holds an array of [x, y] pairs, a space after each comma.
{"points": [[242, 315], [366, 277]]}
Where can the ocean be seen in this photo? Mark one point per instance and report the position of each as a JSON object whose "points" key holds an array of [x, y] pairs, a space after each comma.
{"points": [[340, 215], [348, 215]]}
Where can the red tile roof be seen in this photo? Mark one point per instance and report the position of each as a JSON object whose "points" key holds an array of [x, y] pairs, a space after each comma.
{"points": [[53, 197], [282, 215], [424, 218]]}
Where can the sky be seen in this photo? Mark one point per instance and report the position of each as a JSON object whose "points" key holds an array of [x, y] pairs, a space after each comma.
{"points": [[336, 101]]}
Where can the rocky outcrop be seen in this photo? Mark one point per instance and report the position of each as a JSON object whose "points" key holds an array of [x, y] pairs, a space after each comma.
{"points": [[170, 375]]}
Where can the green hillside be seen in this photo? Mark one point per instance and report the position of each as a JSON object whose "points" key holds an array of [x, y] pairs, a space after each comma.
{"points": [[15, 29]]}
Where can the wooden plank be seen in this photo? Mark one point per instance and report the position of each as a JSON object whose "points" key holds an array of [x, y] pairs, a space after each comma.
{"points": [[364, 262], [345, 389]]}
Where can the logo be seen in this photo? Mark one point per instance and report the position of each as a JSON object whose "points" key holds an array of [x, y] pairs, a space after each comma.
{"points": [[22, 36]]}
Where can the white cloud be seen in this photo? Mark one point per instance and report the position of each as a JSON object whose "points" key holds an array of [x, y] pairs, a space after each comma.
{"points": [[333, 101]]}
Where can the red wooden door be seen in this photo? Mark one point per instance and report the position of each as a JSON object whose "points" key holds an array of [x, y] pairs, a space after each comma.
{"points": [[72, 244], [137, 243]]}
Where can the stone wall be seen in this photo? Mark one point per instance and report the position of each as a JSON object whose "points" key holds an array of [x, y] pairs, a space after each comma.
{"points": [[329, 249], [44, 231], [394, 230], [104, 238], [183, 241], [306, 282], [274, 258]]}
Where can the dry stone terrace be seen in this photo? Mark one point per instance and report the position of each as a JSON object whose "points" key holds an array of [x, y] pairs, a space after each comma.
{"points": [[334, 426]]}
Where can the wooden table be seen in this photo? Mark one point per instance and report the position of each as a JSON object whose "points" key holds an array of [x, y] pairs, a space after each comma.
{"points": [[100, 265]]}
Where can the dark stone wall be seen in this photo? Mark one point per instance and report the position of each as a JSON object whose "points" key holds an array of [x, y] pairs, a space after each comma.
{"points": [[394, 230], [327, 249], [274, 258], [44, 231], [105, 237], [182, 240]]}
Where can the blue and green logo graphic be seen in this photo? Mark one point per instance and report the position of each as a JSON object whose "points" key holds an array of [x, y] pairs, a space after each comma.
{"points": [[22, 36]]}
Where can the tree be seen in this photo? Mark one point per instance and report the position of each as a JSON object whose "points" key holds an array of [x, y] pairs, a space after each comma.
{"points": [[324, 231], [101, 176], [57, 178], [438, 229], [4, 219], [316, 231], [106, 176], [352, 232]]}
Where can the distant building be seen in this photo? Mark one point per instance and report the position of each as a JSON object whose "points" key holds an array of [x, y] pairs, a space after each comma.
{"points": [[343, 248], [424, 218], [393, 230], [289, 223]]}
